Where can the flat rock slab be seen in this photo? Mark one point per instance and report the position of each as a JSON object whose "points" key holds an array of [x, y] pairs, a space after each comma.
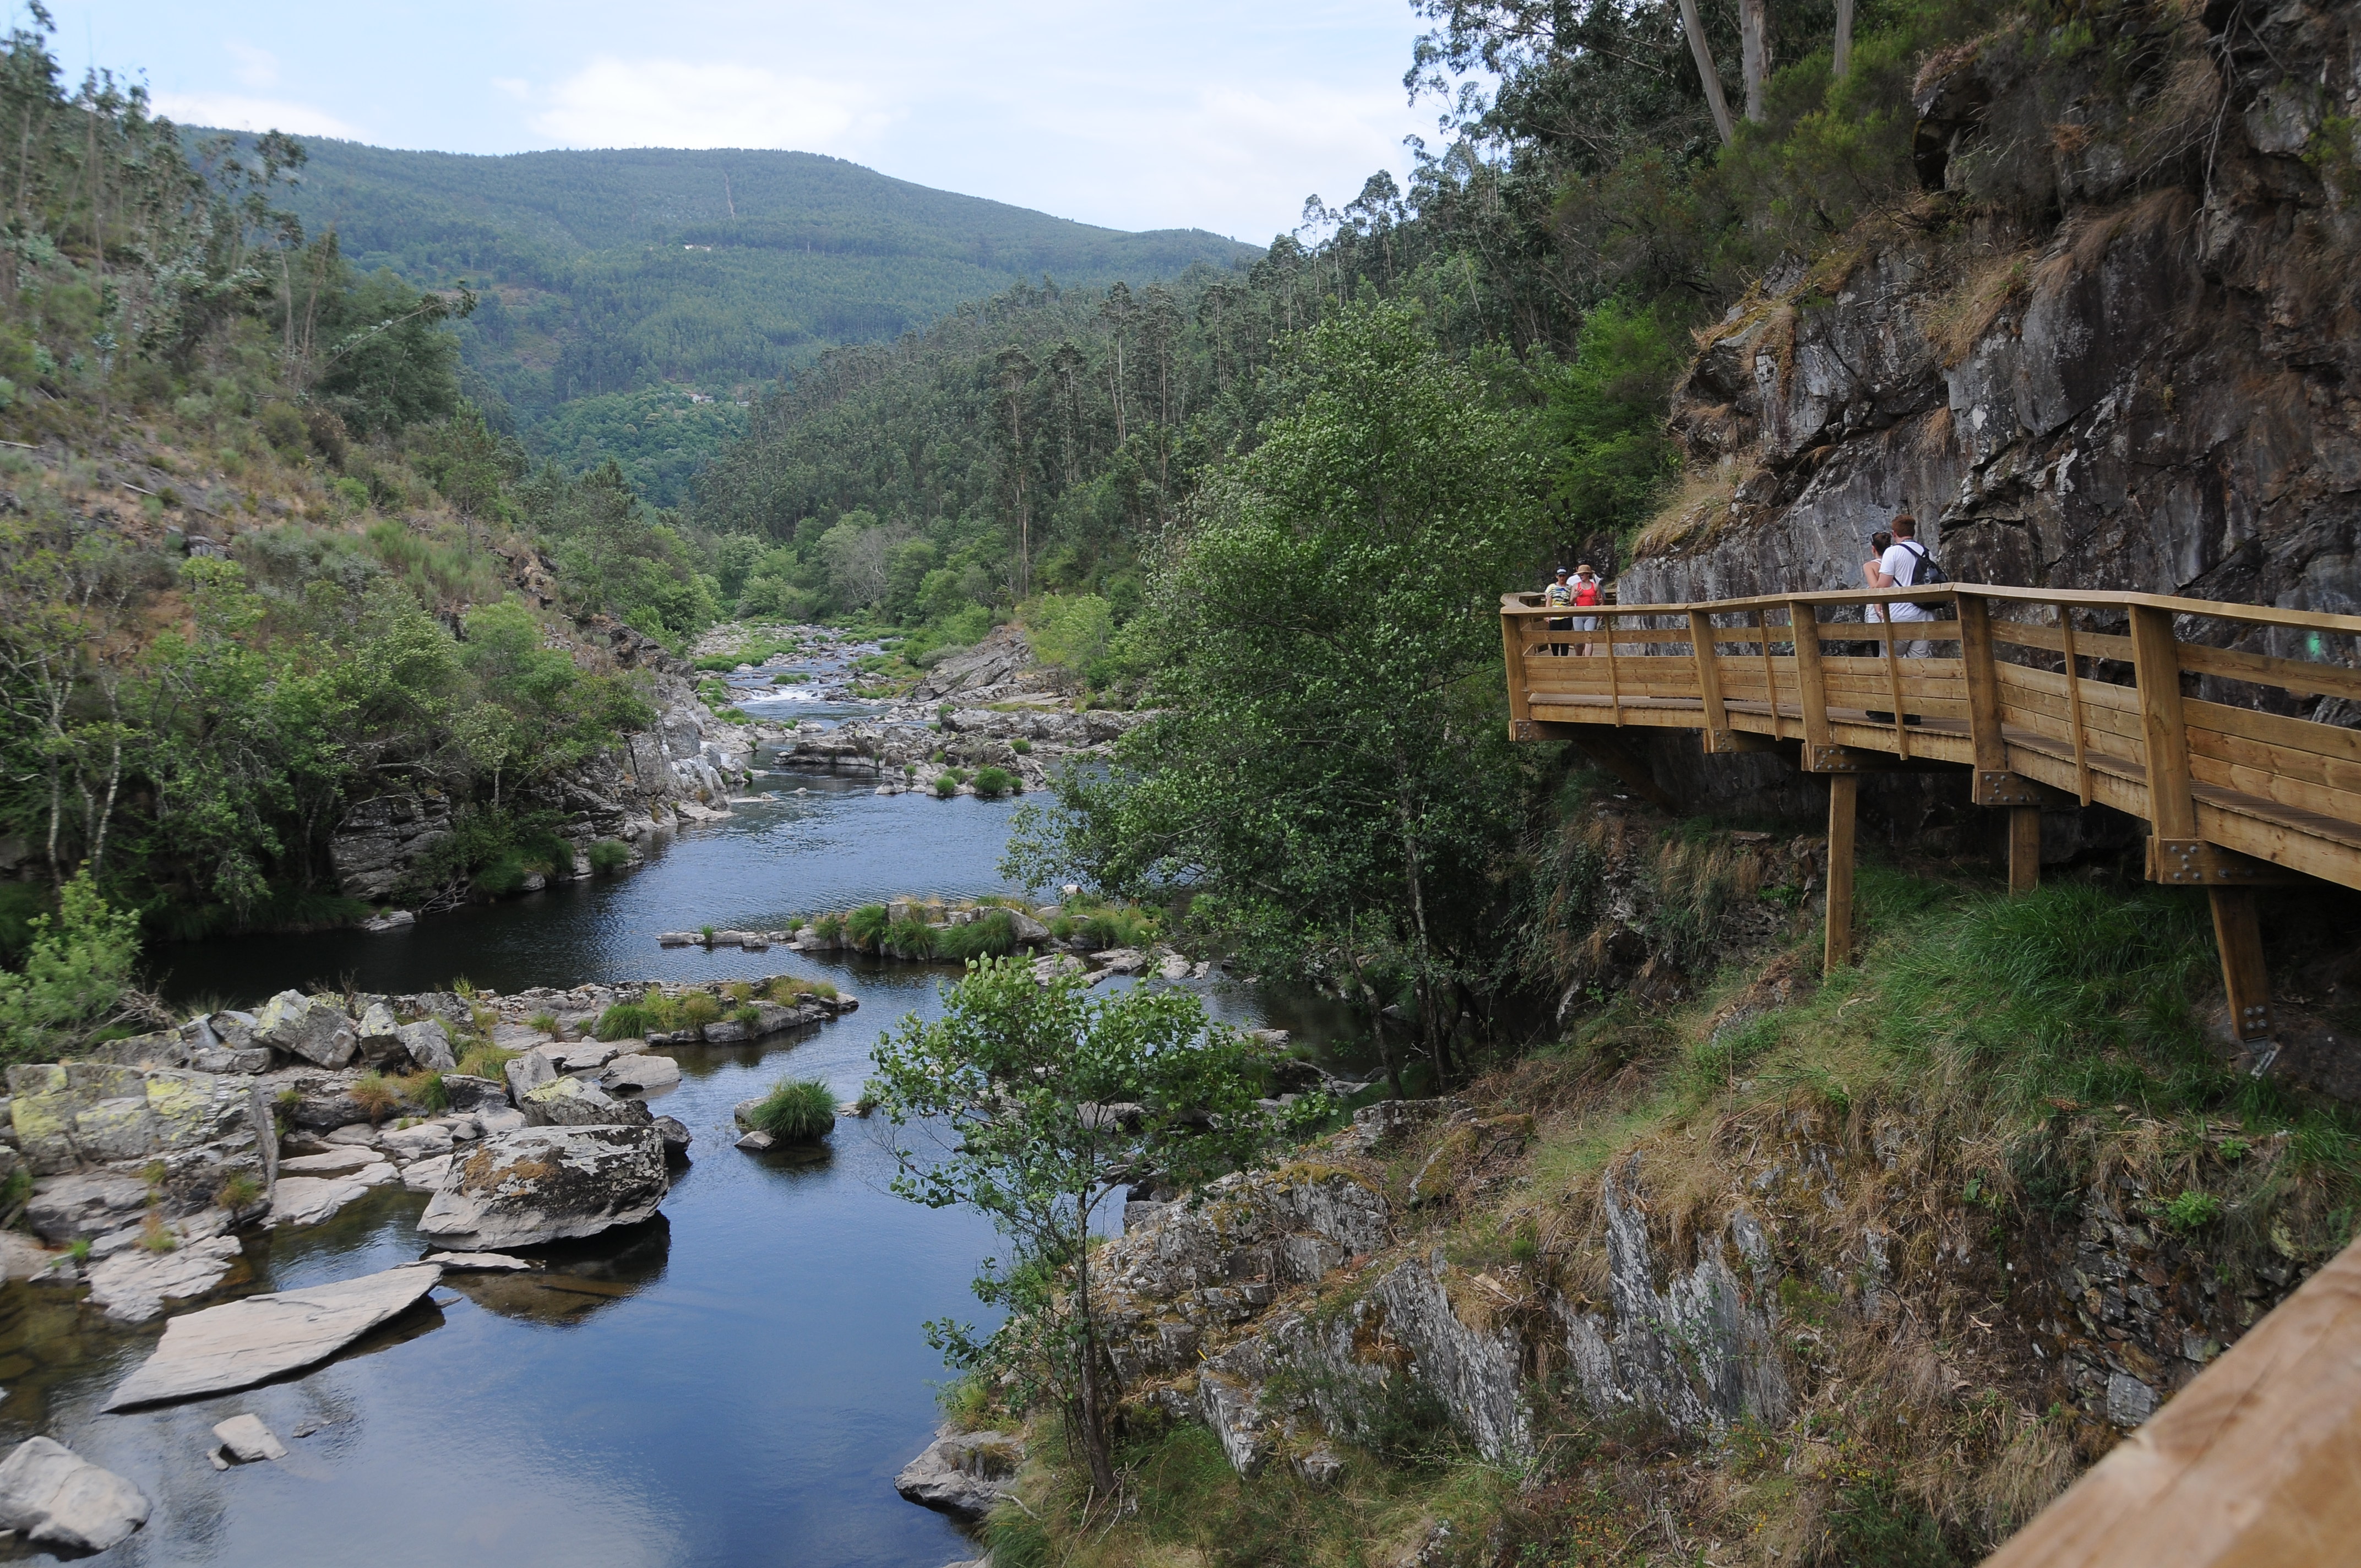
{"points": [[964, 1475], [133, 1284], [245, 1343], [642, 1072], [247, 1440], [308, 1199], [480, 1262], [341, 1161], [426, 1175], [51, 1494]]}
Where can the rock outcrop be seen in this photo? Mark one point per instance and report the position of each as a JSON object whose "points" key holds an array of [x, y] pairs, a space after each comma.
{"points": [[546, 1184], [52, 1496], [2151, 393], [964, 1475], [93, 1134]]}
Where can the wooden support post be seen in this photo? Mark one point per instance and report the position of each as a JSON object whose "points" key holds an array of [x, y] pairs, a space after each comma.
{"points": [[2239, 937], [1844, 793], [2024, 848], [1770, 671], [2074, 704], [1894, 681], [1709, 674], [1512, 655], [2156, 662], [1811, 685]]}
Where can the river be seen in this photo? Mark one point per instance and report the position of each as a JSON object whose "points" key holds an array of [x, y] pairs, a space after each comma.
{"points": [[733, 1383]]}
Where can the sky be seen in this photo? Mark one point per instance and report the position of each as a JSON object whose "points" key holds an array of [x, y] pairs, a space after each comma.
{"points": [[1221, 114]]}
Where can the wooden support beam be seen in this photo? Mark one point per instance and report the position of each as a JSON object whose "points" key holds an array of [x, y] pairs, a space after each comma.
{"points": [[1976, 663], [2238, 935], [2156, 663], [1844, 794], [1811, 681], [1512, 655], [2024, 848], [2249, 1466], [1709, 675], [2194, 862]]}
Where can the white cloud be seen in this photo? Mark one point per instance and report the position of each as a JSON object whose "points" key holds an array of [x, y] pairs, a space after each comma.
{"points": [[255, 67], [234, 112], [671, 102]]}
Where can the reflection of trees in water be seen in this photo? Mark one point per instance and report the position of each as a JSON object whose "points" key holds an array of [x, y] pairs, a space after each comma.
{"points": [[577, 1278], [704, 1061]]}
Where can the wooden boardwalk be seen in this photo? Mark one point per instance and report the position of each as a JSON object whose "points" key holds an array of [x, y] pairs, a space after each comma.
{"points": [[2040, 695]]}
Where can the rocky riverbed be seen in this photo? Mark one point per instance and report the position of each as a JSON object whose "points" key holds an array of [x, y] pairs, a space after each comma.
{"points": [[139, 1165]]}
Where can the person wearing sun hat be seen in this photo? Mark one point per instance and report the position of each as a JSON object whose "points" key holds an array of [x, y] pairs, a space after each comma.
{"points": [[1587, 594]]}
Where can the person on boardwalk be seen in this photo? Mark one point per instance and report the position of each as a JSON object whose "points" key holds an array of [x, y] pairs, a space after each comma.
{"points": [[1557, 594], [1587, 594], [1898, 568]]}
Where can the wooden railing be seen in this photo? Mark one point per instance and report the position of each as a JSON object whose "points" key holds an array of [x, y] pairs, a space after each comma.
{"points": [[2041, 694]]}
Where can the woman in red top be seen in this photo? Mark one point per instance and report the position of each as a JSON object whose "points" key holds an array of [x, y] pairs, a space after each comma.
{"points": [[1587, 593]]}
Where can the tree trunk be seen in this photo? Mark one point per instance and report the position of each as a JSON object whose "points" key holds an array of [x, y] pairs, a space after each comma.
{"points": [[1843, 64], [1754, 53], [1708, 74], [1093, 1403]]}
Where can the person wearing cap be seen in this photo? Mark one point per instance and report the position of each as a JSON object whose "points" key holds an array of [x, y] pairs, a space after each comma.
{"points": [[1897, 567], [1555, 596], [1587, 593]]}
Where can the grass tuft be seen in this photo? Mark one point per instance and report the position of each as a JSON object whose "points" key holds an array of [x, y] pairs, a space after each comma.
{"points": [[796, 1109]]}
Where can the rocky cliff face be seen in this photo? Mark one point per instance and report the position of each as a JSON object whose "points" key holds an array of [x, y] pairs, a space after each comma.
{"points": [[1339, 1300], [2116, 345]]}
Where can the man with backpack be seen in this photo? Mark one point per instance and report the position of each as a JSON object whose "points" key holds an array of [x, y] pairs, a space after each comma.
{"points": [[1906, 564], [1558, 595]]}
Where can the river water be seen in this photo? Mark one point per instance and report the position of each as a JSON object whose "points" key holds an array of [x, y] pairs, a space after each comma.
{"points": [[733, 1383]]}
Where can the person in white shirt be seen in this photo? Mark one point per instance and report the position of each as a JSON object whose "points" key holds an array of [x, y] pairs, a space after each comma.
{"points": [[1898, 568]]}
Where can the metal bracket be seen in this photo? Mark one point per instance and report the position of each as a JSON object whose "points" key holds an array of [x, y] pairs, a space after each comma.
{"points": [[2193, 862], [2002, 788], [1521, 730], [1724, 742]]}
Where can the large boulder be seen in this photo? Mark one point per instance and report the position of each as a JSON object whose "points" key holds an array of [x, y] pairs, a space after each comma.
{"points": [[527, 1073], [580, 1102], [380, 1035], [311, 1027], [469, 1094], [962, 1473], [245, 1343], [51, 1495], [82, 1207], [641, 1072], [133, 1284], [546, 1184], [201, 1129], [428, 1047]]}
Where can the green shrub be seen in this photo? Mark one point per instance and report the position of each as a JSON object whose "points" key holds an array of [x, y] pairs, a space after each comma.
{"points": [[829, 928], [990, 784], [946, 785], [238, 1193], [750, 1015], [796, 1109], [623, 1021], [866, 927], [426, 1092], [788, 988], [1021, 746], [993, 934], [911, 939], [502, 879], [698, 1009], [544, 1022], [2191, 1212], [609, 855]]}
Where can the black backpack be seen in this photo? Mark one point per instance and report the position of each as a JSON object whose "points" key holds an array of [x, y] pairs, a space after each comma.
{"points": [[1930, 571]]}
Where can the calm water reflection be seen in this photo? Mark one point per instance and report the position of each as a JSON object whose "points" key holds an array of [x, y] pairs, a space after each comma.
{"points": [[734, 1382]]}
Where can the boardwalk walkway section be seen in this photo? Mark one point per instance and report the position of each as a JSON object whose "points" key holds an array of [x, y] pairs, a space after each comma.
{"points": [[2128, 700]]}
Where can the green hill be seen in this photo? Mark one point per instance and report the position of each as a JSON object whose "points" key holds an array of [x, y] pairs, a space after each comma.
{"points": [[607, 275]]}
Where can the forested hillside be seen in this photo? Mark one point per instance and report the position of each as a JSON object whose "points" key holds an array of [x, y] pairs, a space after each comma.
{"points": [[261, 561], [607, 275]]}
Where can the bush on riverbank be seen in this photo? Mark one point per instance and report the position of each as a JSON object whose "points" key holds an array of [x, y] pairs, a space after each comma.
{"points": [[624, 1021], [797, 1110], [990, 784], [609, 855]]}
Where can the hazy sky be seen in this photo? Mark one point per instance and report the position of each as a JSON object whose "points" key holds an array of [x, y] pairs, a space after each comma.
{"points": [[1221, 114]]}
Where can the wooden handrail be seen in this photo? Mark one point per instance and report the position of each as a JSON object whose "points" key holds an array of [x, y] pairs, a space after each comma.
{"points": [[2260, 615]]}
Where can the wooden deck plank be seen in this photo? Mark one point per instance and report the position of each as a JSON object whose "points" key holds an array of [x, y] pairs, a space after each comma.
{"points": [[2256, 1464]]}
